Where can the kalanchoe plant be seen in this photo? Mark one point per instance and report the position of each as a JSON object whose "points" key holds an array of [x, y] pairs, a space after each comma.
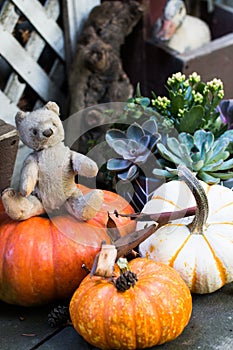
{"points": [[201, 153], [139, 109], [191, 104], [134, 146]]}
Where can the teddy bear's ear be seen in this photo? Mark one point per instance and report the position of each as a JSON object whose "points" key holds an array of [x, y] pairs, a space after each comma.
{"points": [[52, 106], [19, 117]]}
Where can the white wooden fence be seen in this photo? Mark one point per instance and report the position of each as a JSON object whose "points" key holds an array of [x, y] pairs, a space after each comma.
{"points": [[20, 65], [25, 70]]}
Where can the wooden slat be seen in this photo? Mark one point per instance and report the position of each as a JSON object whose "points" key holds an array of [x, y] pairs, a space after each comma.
{"points": [[27, 68], [8, 16], [35, 45], [14, 88], [74, 14], [8, 109], [47, 27]]}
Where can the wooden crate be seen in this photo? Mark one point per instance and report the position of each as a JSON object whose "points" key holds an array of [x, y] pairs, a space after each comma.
{"points": [[212, 60], [8, 149]]}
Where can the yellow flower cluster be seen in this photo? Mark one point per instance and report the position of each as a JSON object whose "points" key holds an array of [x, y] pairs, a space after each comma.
{"points": [[161, 102], [215, 86]]}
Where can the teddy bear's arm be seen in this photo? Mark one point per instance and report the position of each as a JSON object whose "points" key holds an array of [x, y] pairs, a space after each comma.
{"points": [[29, 175], [83, 165]]}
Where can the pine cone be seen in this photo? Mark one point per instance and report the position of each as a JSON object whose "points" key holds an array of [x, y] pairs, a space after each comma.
{"points": [[59, 316], [126, 280]]}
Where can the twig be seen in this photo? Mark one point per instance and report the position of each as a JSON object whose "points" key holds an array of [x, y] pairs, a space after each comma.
{"points": [[161, 218]]}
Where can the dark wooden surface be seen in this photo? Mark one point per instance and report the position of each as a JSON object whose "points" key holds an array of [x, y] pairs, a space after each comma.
{"points": [[8, 149], [210, 327]]}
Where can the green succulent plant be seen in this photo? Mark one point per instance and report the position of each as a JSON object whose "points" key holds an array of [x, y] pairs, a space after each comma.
{"points": [[191, 104], [201, 153], [135, 145], [139, 109]]}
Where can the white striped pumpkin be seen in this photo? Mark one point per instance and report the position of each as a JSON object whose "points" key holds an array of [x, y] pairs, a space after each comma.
{"points": [[200, 248]]}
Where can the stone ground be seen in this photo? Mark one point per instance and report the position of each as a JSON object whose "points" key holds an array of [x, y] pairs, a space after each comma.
{"points": [[210, 327]]}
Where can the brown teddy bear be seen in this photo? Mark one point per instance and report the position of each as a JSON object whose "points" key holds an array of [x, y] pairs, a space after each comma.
{"points": [[47, 180]]}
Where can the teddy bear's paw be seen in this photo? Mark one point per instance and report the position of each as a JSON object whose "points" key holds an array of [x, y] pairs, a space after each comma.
{"points": [[85, 207], [8, 193], [94, 201], [20, 208]]}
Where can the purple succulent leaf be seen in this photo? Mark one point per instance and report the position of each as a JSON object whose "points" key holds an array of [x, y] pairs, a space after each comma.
{"points": [[150, 127], [113, 135], [135, 132], [130, 175], [120, 146], [135, 148], [142, 158], [117, 164], [144, 141], [153, 141]]}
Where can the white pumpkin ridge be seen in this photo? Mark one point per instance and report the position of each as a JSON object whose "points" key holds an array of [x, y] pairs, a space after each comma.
{"points": [[202, 255]]}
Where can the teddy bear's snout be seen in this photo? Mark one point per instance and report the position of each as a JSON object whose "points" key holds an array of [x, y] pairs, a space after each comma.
{"points": [[48, 132]]}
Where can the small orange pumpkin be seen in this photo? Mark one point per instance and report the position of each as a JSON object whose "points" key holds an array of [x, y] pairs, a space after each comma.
{"points": [[41, 258], [154, 310]]}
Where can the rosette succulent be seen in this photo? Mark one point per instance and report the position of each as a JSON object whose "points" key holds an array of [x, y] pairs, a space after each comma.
{"points": [[135, 145], [191, 104], [201, 153]]}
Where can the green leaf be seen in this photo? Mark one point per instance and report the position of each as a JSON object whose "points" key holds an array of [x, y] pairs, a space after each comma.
{"points": [[213, 166], [143, 101], [188, 94], [138, 90], [208, 178], [226, 165], [172, 171], [200, 87], [187, 139], [167, 155], [173, 145], [185, 156], [219, 150], [196, 157], [191, 120], [227, 134], [177, 102], [223, 176], [162, 173], [198, 165], [204, 140]]}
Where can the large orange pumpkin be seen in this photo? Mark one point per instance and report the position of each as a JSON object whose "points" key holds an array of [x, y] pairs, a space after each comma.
{"points": [[41, 258], [154, 311]]}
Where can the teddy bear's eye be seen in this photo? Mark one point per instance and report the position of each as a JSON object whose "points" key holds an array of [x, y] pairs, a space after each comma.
{"points": [[34, 132]]}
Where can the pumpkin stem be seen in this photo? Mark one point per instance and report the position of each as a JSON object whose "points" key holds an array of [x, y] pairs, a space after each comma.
{"points": [[104, 261], [127, 278], [202, 210]]}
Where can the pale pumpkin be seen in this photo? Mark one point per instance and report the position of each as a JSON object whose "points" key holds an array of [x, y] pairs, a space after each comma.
{"points": [[41, 258], [200, 248], [155, 309]]}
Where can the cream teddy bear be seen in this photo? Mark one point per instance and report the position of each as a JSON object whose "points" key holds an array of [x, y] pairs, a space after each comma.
{"points": [[47, 180]]}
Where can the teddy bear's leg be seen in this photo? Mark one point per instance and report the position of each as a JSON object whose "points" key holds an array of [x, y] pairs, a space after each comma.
{"points": [[19, 207], [85, 207]]}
